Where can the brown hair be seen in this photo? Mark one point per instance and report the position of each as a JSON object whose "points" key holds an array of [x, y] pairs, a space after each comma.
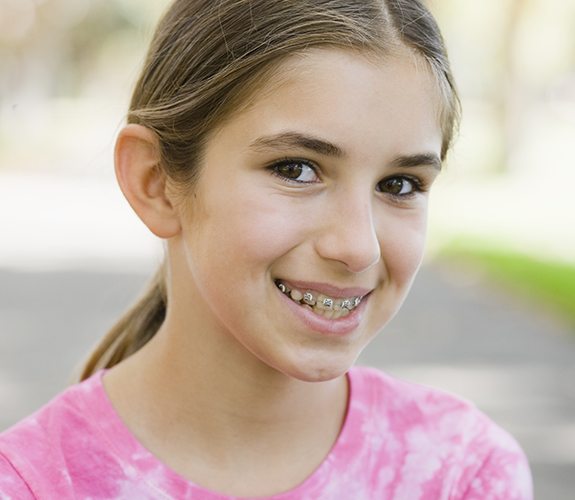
{"points": [[206, 60]]}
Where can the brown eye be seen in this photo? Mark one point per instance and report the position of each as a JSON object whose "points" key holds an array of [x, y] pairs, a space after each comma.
{"points": [[290, 170], [296, 171], [397, 186]]}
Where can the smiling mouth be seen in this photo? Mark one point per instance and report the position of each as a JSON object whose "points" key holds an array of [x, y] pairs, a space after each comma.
{"points": [[319, 303]]}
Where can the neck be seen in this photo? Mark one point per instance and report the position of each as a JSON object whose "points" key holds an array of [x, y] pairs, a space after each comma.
{"points": [[209, 377], [181, 396]]}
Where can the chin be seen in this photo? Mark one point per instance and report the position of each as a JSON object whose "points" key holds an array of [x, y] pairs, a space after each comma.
{"points": [[319, 371]]}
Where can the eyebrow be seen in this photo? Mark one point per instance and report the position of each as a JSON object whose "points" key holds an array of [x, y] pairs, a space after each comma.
{"points": [[296, 140], [418, 160], [293, 140]]}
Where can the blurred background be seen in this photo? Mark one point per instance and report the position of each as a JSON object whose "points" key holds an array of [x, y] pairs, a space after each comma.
{"points": [[492, 316]]}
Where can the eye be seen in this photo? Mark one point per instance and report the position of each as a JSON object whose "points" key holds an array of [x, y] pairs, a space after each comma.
{"points": [[399, 186], [295, 171]]}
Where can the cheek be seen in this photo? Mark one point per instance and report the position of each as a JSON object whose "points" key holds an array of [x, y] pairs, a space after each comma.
{"points": [[403, 245], [257, 232]]}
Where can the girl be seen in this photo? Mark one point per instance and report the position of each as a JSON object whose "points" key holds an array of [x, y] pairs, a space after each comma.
{"points": [[284, 150]]}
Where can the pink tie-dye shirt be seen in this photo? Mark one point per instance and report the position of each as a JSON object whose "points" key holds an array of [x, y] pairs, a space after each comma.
{"points": [[400, 441]]}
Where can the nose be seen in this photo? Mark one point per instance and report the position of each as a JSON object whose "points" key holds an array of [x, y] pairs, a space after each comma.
{"points": [[349, 234]]}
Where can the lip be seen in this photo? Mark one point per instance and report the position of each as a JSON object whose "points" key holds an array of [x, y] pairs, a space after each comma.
{"points": [[327, 289], [333, 327]]}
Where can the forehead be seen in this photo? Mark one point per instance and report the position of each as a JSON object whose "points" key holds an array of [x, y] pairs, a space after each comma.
{"points": [[353, 99]]}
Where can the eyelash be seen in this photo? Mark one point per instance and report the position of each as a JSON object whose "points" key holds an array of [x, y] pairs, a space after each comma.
{"points": [[274, 169], [418, 186]]}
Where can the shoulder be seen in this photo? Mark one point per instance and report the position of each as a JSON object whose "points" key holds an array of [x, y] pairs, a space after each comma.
{"points": [[379, 385], [443, 439], [65, 414], [408, 405], [12, 485], [37, 452]]}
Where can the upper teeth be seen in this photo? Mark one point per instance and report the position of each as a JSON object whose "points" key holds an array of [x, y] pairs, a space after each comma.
{"points": [[319, 300]]}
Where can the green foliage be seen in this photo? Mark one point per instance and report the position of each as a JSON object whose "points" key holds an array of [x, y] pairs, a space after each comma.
{"points": [[547, 282]]}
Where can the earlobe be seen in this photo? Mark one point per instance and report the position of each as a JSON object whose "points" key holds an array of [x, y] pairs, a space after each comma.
{"points": [[141, 179]]}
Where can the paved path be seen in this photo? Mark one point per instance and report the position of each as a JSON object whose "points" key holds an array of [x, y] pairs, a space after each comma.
{"points": [[453, 332]]}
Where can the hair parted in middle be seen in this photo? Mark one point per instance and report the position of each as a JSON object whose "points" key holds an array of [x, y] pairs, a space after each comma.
{"points": [[208, 57], [207, 60]]}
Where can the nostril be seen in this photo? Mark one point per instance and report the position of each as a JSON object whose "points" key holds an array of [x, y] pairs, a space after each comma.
{"points": [[358, 253]]}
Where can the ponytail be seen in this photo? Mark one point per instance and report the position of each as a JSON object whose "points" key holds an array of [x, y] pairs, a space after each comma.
{"points": [[134, 329]]}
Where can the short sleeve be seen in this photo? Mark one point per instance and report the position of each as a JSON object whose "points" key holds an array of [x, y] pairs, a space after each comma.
{"points": [[12, 486], [504, 475]]}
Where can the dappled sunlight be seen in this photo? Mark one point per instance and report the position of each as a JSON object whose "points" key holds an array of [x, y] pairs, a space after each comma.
{"points": [[510, 174], [68, 68]]}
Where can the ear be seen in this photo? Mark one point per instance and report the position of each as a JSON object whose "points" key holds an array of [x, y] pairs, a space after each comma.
{"points": [[142, 180]]}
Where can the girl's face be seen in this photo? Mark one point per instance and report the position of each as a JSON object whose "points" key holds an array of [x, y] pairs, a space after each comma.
{"points": [[315, 193]]}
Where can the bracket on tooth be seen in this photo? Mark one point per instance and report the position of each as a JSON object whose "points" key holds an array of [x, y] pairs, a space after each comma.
{"points": [[282, 287], [347, 304], [328, 303], [308, 298]]}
